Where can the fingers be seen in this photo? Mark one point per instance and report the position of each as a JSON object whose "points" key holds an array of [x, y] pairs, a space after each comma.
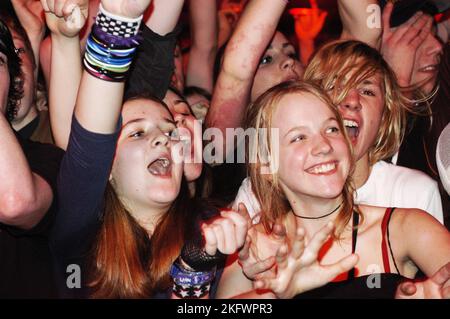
{"points": [[446, 293], [210, 240], [68, 8], [423, 33], [237, 226], [400, 32], [252, 270], [317, 241], [279, 233], [45, 5], [386, 17], [405, 289], [58, 9], [417, 28], [282, 257], [442, 275], [244, 253], [222, 232], [299, 243], [343, 265], [242, 210], [263, 284]]}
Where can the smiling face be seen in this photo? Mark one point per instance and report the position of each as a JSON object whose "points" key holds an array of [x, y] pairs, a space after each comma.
{"points": [[278, 64], [314, 158], [189, 130], [144, 174], [362, 110], [425, 69]]}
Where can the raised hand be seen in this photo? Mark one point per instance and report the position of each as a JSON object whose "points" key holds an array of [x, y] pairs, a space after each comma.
{"points": [[399, 45], [65, 17], [252, 267], [436, 287], [31, 16], [308, 24], [298, 269], [126, 8], [227, 233]]}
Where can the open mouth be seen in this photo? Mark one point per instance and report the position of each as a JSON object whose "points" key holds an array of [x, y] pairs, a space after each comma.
{"points": [[429, 68], [352, 128], [323, 169], [160, 167]]}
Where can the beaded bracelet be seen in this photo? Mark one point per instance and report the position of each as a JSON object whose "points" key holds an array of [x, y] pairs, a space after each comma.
{"points": [[111, 46]]}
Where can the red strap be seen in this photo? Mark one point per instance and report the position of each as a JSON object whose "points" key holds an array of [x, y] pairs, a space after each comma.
{"points": [[384, 250]]}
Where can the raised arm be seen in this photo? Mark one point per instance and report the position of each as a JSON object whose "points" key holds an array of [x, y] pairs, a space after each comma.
{"points": [[203, 24], [165, 16], [308, 24], [361, 20], [153, 68], [252, 35], [66, 69], [31, 17]]}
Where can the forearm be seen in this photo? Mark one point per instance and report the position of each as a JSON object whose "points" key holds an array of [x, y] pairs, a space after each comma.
{"points": [[355, 16], [252, 35], [204, 43], [65, 77], [306, 50], [165, 16], [22, 200]]}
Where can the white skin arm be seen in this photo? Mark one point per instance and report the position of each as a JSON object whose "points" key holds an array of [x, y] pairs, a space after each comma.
{"points": [[354, 16], [25, 197], [203, 23], [252, 35], [165, 16], [427, 244], [66, 69], [46, 45]]}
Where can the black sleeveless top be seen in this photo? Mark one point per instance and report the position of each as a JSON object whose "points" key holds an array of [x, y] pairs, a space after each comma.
{"points": [[374, 286]]}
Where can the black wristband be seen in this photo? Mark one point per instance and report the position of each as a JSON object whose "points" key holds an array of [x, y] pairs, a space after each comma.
{"points": [[194, 255]]}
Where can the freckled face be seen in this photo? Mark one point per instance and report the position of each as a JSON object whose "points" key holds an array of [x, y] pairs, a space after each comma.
{"points": [[314, 158]]}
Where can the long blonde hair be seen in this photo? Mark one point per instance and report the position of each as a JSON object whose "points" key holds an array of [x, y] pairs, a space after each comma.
{"points": [[335, 61], [274, 204]]}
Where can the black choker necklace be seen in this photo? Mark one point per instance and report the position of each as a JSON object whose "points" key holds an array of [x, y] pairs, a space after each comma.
{"points": [[319, 217]]}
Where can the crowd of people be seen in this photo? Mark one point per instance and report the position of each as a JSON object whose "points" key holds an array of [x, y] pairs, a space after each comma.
{"points": [[245, 167]]}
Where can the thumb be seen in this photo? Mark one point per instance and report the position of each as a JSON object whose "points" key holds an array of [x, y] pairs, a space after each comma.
{"points": [[279, 232], [406, 289]]}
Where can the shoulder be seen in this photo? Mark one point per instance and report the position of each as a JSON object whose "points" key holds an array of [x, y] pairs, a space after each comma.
{"points": [[407, 176]]}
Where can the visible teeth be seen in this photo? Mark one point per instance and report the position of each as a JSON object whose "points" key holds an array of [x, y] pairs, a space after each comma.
{"points": [[350, 123], [324, 168], [429, 68], [165, 162], [159, 166]]}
